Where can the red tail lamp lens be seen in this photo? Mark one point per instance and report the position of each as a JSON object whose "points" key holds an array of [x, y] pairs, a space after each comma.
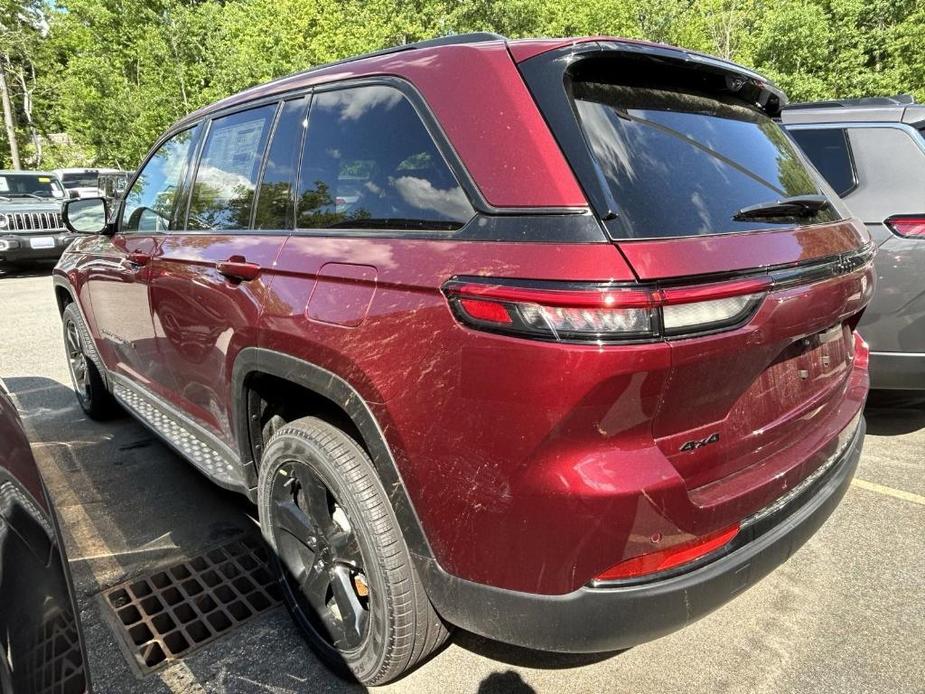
{"points": [[486, 311], [908, 226], [671, 557]]}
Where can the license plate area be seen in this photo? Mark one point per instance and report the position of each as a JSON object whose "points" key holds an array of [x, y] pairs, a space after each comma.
{"points": [[825, 353], [42, 242], [805, 372]]}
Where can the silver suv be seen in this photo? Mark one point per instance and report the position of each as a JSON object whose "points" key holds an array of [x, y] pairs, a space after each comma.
{"points": [[31, 229], [872, 152]]}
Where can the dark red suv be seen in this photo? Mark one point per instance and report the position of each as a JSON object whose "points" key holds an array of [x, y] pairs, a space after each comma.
{"points": [[552, 340]]}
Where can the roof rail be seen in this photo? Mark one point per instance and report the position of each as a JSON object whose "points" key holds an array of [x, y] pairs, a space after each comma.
{"points": [[868, 101], [452, 40]]}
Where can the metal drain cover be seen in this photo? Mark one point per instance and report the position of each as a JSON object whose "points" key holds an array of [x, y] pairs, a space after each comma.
{"points": [[163, 617]]}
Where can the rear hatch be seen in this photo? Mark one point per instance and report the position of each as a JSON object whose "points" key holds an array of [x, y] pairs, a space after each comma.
{"points": [[697, 185]]}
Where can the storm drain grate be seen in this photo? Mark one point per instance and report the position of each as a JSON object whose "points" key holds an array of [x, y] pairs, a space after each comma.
{"points": [[163, 617]]}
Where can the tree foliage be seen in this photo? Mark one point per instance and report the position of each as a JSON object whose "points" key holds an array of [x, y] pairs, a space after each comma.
{"points": [[113, 74]]}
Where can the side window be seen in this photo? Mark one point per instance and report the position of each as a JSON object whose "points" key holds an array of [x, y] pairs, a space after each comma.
{"points": [[151, 201], [891, 162], [275, 203], [369, 163], [830, 152], [223, 192]]}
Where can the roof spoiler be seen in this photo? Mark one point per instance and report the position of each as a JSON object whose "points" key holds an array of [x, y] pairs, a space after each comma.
{"points": [[746, 84]]}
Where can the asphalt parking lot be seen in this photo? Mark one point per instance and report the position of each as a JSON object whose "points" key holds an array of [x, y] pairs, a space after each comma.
{"points": [[845, 614]]}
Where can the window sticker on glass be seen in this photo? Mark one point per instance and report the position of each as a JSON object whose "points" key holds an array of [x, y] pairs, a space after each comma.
{"points": [[4, 186], [44, 179], [224, 189]]}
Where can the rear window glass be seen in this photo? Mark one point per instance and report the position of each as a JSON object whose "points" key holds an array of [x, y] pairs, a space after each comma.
{"points": [[88, 179], [829, 151], [274, 200], [684, 164]]}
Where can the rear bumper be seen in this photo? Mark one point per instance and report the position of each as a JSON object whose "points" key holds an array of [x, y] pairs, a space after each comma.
{"points": [[897, 370], [18, 249], [600, 619]]}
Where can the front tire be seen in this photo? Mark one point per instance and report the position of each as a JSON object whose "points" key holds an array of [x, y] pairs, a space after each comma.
{"points": [[346, 573], [89, 387]]}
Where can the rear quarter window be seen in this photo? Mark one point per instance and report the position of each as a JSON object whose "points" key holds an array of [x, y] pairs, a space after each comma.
{"points": [[683, 163], [830, 152], [891, 171], [370, 163]]}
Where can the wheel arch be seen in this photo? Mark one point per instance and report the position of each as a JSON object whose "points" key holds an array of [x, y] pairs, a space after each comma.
{"points": [[64, 293], [254, 363]]}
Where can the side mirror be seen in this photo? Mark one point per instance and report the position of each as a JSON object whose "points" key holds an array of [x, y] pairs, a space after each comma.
{"points": [[73, 194], [86, 215]]}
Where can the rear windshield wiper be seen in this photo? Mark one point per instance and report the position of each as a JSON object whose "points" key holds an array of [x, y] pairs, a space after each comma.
{"points": [[796, 206]]}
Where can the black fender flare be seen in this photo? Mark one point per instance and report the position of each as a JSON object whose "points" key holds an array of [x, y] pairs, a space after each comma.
{"points": [[257, 360], [89, 341]]}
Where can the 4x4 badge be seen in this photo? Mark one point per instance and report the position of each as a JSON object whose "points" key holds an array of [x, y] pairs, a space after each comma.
{"points": [[700, 443]]}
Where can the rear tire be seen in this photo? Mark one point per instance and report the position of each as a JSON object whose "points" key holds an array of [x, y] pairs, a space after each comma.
{"points": [[346, 574], [92, 395]]}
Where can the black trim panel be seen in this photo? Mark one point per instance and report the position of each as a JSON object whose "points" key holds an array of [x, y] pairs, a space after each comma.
{"points": [[897, 371], [89, 341]]}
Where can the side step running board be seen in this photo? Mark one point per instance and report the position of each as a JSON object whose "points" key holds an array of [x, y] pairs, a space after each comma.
{"points": [[209, 455]]}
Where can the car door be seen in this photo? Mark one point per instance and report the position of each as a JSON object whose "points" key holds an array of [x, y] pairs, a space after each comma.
{"points": [[117, 268], [209, 279]]}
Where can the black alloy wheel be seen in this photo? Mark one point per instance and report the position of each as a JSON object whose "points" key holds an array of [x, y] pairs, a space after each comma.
{"points": [[345, 571], [91, 391], [324, 566]]}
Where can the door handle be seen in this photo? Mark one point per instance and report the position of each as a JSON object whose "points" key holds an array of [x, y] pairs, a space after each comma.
{"points": [[237, 268], [138, 258]]}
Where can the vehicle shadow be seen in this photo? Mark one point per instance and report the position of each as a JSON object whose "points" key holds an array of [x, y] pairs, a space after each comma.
{"points": [[895, 413], [39, 270], [128, 506], [508, 682], [526, 657]]}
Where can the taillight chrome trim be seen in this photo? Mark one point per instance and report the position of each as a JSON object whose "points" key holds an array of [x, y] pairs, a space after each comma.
{"points": [[656, 297]]}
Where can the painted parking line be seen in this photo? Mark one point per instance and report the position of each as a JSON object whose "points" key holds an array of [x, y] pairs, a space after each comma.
{"points": [[889, 491]]}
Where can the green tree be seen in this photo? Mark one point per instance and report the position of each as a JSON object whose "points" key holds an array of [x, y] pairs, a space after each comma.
{"points": [[113, 74]]}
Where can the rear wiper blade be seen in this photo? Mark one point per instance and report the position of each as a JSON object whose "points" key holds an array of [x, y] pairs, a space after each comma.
{"points": [[796, 206]]}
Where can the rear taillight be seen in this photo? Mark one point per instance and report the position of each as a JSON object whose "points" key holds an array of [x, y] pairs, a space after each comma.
{"points": [[602, 312], [910, 226], [672, 557], [861, 351]]}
